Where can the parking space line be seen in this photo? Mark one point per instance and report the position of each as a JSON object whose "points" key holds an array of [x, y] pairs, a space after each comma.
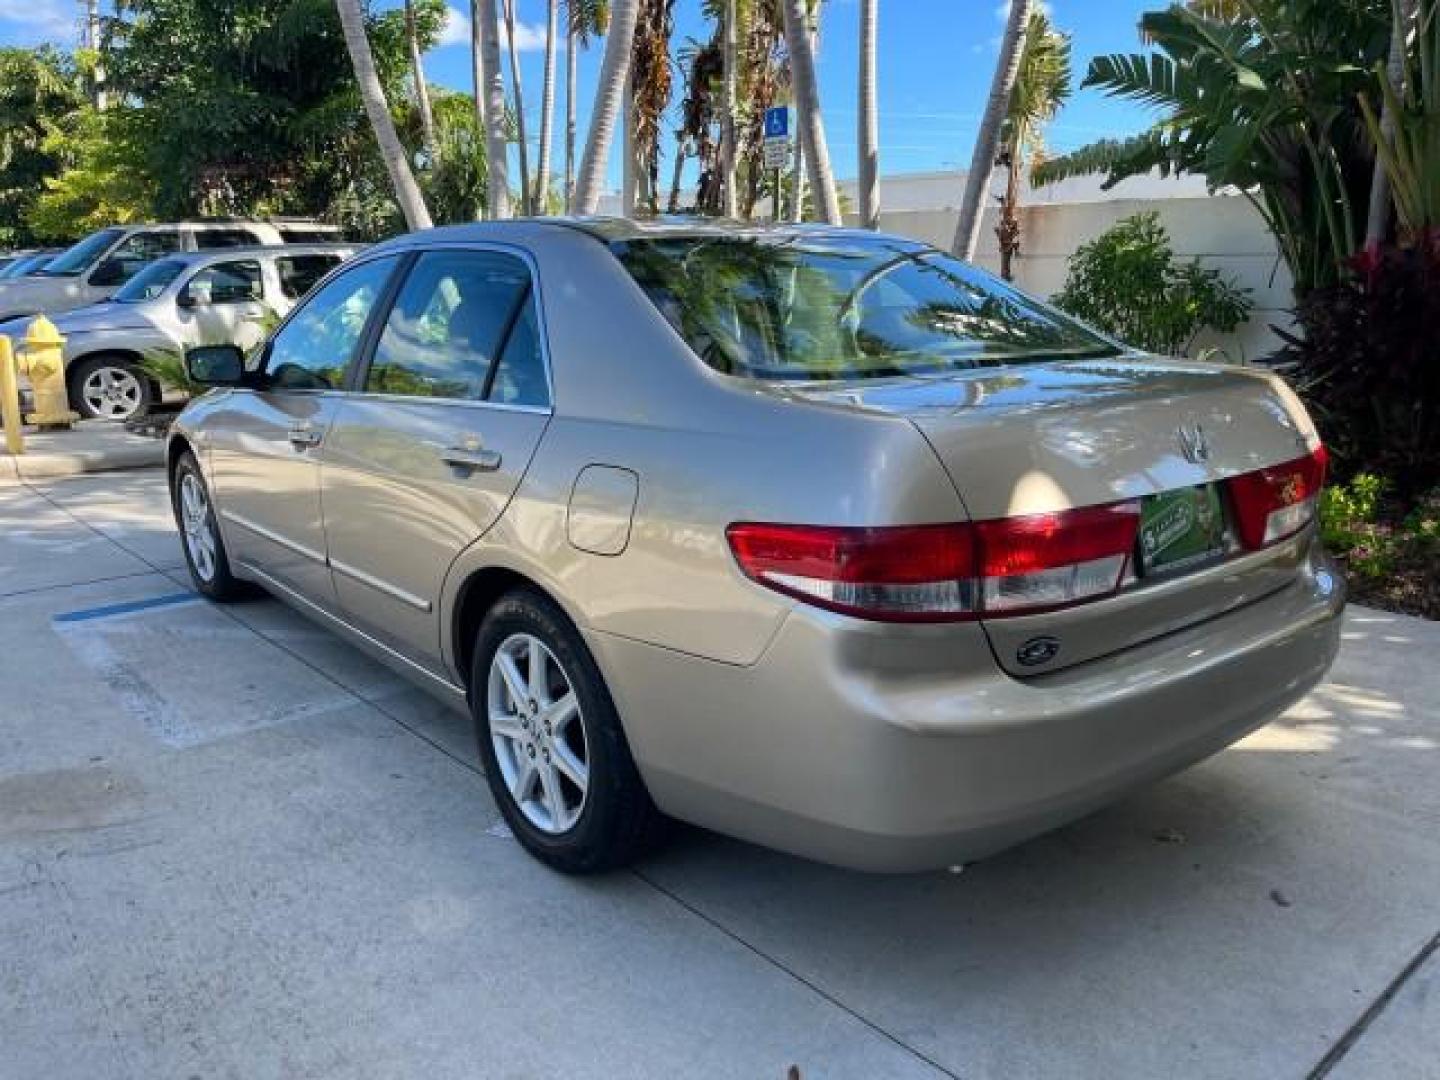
{"points": [[108, 610]]}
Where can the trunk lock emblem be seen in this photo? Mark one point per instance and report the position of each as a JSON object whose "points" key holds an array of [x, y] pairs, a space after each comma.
{"points": [[1194, 443], [1038, 650]]}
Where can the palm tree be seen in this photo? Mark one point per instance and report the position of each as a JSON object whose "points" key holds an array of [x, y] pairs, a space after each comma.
{"points": [[614, 74], [807, 103], [372, 94], [525, 203], [477, 65], [1042, 85], [730, 30], [982, 161], [1377, 220], [867, 134], [584, 19], [496, 147], [417, 73], [547, 107], [651, 83]]}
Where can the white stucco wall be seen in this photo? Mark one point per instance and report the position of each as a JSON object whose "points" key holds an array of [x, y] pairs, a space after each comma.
{"points": [[1223, 231]]}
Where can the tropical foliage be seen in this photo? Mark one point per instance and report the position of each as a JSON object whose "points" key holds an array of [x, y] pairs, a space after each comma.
{"points": [[39, 90], [1128, 283], [1261, 96]]}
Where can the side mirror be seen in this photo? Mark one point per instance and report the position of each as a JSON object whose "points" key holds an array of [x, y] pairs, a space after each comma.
{"points": [[109, 272], [215, 365]]}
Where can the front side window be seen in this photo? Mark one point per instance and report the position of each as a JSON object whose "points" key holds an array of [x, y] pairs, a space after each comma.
{"points": [[225, 283], [150, 282], [316, 347], [451, 320], [136, 252], [299, 273], [206, 239], [796, 307], [79, 258]]}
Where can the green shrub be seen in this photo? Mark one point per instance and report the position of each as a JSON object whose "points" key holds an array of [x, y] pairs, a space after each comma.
{"points": [[1128, 283]]}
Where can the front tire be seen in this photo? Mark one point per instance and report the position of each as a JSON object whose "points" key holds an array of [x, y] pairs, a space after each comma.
{"points": [[110, 388], [554, 753], [200, 539]]}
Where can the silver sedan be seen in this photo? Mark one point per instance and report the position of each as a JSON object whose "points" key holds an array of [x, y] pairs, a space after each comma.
{"points": [[815, 537]]}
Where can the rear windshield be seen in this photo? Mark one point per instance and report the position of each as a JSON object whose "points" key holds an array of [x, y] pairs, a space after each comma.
{"points": [[150, 282], [825, 308], [76, 260]]}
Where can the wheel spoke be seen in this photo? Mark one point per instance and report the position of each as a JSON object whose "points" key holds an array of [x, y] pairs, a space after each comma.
{"points": [[506, 725], [569, 766], [539, 687], [558, 714], [554, 799], [526, 777], [514, 681]]}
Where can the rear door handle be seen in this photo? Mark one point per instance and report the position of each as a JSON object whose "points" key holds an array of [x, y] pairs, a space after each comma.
{"points": [[304, 438], [472, 458]]}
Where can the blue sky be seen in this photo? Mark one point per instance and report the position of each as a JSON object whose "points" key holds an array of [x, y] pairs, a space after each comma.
{"points": [[935, 57]]}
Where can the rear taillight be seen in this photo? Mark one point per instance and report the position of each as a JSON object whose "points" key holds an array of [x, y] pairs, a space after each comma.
{"points": [[937, 573], [1278, 501]]}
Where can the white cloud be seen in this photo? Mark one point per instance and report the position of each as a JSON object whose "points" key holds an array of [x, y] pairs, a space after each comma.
{"points": [[529, 37], [40, 20]]}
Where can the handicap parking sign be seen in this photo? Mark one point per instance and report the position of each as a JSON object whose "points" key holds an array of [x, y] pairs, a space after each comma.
{"points": [[777, 123]]}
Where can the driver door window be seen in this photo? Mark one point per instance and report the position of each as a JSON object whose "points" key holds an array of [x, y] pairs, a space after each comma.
{"points": [[316, 347]]}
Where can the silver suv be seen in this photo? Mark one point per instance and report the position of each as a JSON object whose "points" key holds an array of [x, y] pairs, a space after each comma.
{"points": [[105, 260], [230, 297]]}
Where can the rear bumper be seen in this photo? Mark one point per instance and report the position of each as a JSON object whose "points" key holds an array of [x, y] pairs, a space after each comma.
{"points": [[886, 749]]}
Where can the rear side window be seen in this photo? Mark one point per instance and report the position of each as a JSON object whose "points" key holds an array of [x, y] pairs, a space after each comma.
{"points": [[226, 283], [299, 273], [206, 239], [798, 307], [458, 312], [136, 252], [315, 348]]}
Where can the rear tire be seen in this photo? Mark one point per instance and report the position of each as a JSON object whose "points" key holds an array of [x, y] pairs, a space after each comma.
{"points": [[554, 752], [200, 539], [109, 387]]}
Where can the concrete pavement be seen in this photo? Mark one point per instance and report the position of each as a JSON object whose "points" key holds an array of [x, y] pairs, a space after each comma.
{"points": [[91, 446], [232, 846]]}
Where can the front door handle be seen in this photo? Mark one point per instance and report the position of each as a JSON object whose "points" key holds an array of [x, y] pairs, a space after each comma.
{"points": [[304, 438], [472, 458]]}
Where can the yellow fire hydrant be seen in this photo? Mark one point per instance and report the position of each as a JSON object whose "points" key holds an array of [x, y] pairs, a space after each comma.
{"points": [[44, 362]]}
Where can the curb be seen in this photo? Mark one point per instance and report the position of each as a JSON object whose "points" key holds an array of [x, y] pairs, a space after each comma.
{"points": [[49, 465]]}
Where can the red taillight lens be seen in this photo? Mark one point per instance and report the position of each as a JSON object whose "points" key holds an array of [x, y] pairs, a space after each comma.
{"points": [[927, 573], [1278, 501]]}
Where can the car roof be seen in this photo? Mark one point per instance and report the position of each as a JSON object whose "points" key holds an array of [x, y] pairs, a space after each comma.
{"points": [[615, 230], [192, 258]]}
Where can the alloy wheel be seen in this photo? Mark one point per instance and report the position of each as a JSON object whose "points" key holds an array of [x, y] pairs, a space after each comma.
{"points": [[538, 733], [196, 523], [112, 393]]}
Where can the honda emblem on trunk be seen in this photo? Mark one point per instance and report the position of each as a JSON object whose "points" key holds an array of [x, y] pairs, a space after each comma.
{"points": [[1193, 443]]}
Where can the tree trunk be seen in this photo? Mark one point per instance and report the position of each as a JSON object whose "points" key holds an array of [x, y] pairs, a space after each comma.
{"points": [[422, 91], [868, 136], [672, 206], [547, 110], [1007, 232], [407, 192], [525, 204], [807, 104], [610, 88], [477, 67], [572, 67], [982, 162], [727, 112], [1377, 221], [497, 184], [628, 167], [92, 42], [797, 183]]}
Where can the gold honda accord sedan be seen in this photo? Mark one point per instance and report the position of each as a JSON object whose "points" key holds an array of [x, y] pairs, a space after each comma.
{"points": [[815, 537]]}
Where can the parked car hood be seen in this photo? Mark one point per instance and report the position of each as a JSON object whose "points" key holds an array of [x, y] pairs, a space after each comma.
{"points": [[102, 317]]}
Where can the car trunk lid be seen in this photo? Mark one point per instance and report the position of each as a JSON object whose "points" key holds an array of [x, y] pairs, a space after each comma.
{"points": [[1051, 437]]}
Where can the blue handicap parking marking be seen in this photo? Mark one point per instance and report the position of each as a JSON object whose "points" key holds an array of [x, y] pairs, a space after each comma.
{"points": [[86, 614], [777, 122]]}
